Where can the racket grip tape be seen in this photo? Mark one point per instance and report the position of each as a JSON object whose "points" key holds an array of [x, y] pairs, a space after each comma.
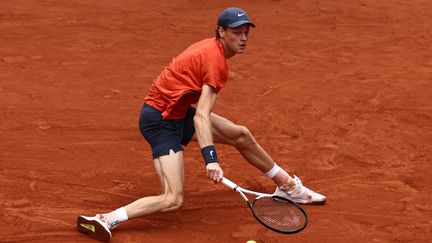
{"points": [[229, 183]]}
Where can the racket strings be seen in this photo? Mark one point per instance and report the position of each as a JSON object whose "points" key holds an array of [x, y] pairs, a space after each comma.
{"points": [[279, 214]]}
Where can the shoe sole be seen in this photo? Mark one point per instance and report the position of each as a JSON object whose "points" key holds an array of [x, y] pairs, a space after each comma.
{"points": [[317, 203], [307, 202], [301, 201], [94, 227]]}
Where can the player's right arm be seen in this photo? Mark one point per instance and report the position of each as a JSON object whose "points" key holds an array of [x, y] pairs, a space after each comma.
{"points": [[203, 129]]}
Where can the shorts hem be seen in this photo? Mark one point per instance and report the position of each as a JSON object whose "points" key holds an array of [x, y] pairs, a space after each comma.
{"points": [[158, 154]]}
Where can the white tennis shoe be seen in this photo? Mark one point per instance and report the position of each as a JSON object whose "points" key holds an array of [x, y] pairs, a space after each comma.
{"points": [[96, 227], [300, 194]]}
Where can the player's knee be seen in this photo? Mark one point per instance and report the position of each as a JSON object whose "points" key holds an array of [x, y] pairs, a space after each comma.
{"points": [[245, 139], [173, 202]]}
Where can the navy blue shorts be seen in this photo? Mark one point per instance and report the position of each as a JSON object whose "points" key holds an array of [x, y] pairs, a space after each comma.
{"points": [[164, 135]]}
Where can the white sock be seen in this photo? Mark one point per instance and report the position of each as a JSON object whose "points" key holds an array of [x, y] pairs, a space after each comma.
{"points": [[271, 173], [121, 214]]}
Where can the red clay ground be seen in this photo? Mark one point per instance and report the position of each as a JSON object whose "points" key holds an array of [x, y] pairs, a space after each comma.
{"points": [[338, 92]]}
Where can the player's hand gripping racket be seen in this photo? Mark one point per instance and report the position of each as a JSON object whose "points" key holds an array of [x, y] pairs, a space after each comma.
{"points": [[276, 213]]}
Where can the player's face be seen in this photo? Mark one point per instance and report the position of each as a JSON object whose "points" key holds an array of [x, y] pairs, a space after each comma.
{"points": [[235, 40]]}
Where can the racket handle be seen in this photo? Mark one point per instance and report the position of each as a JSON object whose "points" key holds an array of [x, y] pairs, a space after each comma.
{"points": [[229, 183]]}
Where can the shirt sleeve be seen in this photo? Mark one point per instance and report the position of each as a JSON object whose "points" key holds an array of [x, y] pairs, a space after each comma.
{"points": [[214, 75]]}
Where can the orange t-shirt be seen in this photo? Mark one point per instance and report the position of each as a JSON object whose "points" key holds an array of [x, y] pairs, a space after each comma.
{"points": [[180, 83]]}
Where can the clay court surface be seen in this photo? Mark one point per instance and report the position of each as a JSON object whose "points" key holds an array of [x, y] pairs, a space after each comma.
{"points": [[338, 92]]}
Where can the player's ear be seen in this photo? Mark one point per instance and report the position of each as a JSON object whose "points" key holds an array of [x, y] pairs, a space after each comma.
{"points": [[221, 31]]}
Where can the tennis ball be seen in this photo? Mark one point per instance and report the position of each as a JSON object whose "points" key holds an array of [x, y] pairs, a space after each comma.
{"points": [[250, 241]]}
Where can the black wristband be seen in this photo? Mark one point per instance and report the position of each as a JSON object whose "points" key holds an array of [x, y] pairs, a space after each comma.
{"points": [[209, 154]]}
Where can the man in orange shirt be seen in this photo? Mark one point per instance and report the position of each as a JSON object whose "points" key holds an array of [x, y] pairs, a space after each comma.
{"points": [[168, 122]]}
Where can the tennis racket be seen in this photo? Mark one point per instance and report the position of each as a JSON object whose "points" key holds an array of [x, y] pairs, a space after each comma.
{"points": [[276, 213]]}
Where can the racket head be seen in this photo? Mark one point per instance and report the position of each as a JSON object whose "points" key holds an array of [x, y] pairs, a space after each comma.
{"points": [[279, 214]]}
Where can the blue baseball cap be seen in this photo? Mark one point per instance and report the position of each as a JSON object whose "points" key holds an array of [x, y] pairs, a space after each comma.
{"points": [[233, 18]]}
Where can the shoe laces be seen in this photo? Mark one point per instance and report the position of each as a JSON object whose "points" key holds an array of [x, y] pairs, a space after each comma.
{"points": [[298, 189]]}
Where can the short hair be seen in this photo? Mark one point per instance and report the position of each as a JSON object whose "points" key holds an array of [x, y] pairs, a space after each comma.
{"points": [[217, 31]]}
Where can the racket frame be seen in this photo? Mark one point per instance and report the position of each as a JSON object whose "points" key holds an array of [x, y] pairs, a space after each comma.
{"points": [[258, 195]]}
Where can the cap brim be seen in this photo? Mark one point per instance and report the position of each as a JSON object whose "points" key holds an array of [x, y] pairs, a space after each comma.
{"points": [[240, 23]]}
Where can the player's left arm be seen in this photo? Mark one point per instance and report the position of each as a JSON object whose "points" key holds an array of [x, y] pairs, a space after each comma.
{"points": [[203, 129], [202, 120]]}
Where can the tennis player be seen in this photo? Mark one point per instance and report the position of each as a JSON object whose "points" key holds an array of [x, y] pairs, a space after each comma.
{"points": [[178, 109]]}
